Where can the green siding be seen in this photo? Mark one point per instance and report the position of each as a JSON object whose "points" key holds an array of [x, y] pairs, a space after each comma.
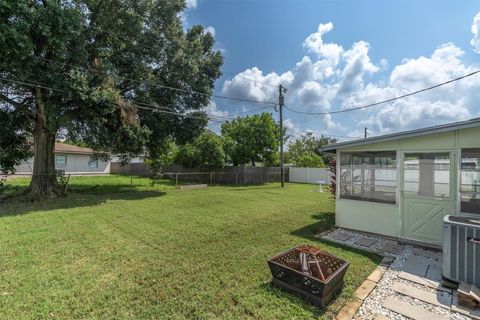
{"points": [[388, 219], [369, 217]]}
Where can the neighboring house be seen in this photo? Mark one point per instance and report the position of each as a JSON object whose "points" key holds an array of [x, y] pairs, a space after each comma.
{"points": [[403, 184], [73, 160]]}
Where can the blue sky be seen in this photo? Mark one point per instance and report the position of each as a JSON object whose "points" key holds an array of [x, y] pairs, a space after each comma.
{"points": [[335, 55]]}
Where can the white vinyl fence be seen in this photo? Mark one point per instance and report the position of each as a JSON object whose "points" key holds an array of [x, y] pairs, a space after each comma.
{"points": [[309, 175]]}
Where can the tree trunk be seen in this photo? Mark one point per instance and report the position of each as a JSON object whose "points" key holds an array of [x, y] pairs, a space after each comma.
{"points": [[44, 179]]}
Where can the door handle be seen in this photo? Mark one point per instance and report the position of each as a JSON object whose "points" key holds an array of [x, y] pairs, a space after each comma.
{"points": [[473, 240]]}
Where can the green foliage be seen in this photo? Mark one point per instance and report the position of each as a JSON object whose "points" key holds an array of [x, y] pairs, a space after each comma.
{"points": [[15, 145], [204, 152], [103, 60], [139, 251], [187, 156], [164, 155], [304, 152], [310, 161], [252, 139]]}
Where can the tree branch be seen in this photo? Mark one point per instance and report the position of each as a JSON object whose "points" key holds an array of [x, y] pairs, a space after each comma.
{"points": [[11, 101], [21, 106]]}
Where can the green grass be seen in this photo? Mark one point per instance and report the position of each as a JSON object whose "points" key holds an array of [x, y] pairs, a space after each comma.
{"points": [[141, 252]]}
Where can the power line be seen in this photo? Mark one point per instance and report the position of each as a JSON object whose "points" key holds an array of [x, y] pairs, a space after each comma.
{"points": [[157, 108], [301, 134], [31, 84], [388, 100], [156, 84], [251, 80]]}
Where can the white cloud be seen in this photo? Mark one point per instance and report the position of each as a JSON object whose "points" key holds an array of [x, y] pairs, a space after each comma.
{"points": [[358, 64], [252, 84], [475, 42], [191, 4], [289, 124], [333, 79], [211, 30], [314, 43], [212, 110]]}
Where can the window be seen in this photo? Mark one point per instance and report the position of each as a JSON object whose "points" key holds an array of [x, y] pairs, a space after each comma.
{"points": [[93, 163], [470, 181], [61, 160], [427, 174], [369, 176]]}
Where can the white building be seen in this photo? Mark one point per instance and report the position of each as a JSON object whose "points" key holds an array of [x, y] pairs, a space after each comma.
{"points": [[73, 160]]}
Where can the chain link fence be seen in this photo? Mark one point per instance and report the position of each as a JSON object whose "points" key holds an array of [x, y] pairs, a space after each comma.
{"points": [[13, 184]]}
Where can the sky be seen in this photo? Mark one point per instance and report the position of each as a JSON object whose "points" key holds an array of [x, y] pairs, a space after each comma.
{"points": [[341, 54]]}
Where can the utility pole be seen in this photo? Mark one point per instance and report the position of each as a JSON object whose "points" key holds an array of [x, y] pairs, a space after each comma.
{"points": [[366, 132], [281, 100]]}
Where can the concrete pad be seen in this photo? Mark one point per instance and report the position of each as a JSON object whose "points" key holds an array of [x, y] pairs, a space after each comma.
{"points": [[365, 242], [387, 261], [349, 310], [364, 290], [434, 273], [424, 281], [426, 296], [340, 236], [427, 253], [377, 274], [473, 314], [410, 311], [392, 248], [416, 265]]}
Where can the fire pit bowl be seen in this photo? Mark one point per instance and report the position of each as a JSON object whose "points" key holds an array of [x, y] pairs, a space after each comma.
{"points": [[309, 272]]}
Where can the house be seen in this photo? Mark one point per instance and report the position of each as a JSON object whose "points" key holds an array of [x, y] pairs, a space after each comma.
{"points": [[403, 184], [73, 160]]}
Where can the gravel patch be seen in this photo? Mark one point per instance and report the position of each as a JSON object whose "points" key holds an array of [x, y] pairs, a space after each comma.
{"points": [[372, 305]]}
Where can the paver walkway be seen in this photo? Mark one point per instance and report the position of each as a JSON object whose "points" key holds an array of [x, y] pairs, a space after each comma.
{"points": [[410, 288]]}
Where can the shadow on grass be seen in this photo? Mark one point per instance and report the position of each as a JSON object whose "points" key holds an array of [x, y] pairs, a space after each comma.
{"points": [[293, 298], [326, 221], [19, 205]]}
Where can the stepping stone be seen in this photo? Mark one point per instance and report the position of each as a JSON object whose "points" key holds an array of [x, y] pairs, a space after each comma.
{"points": [[410, 311], [387, 261], [364, 290], [392, 248], [473, 314], [427, 253], [423, 281], [365, 242], [417, 265], [425, 296], [434, 273], [340, 236]]}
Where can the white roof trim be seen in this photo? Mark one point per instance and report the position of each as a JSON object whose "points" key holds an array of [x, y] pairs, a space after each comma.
{"points": [[472, 123]]}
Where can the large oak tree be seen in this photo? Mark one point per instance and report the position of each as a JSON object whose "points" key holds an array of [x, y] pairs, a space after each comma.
{"points": [[88, 68]]}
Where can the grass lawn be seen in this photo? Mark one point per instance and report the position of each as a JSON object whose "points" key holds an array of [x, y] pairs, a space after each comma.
{"points": [[136, 251]]}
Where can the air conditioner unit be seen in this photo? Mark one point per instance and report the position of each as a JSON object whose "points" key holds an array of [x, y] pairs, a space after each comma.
{"points": [[461, 249]]}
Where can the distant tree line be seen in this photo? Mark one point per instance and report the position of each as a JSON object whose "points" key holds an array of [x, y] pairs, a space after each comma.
{"points": [[249, 140]]}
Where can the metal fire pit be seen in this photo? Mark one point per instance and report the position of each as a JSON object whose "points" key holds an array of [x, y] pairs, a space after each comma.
{"points": [[307, 271]]}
